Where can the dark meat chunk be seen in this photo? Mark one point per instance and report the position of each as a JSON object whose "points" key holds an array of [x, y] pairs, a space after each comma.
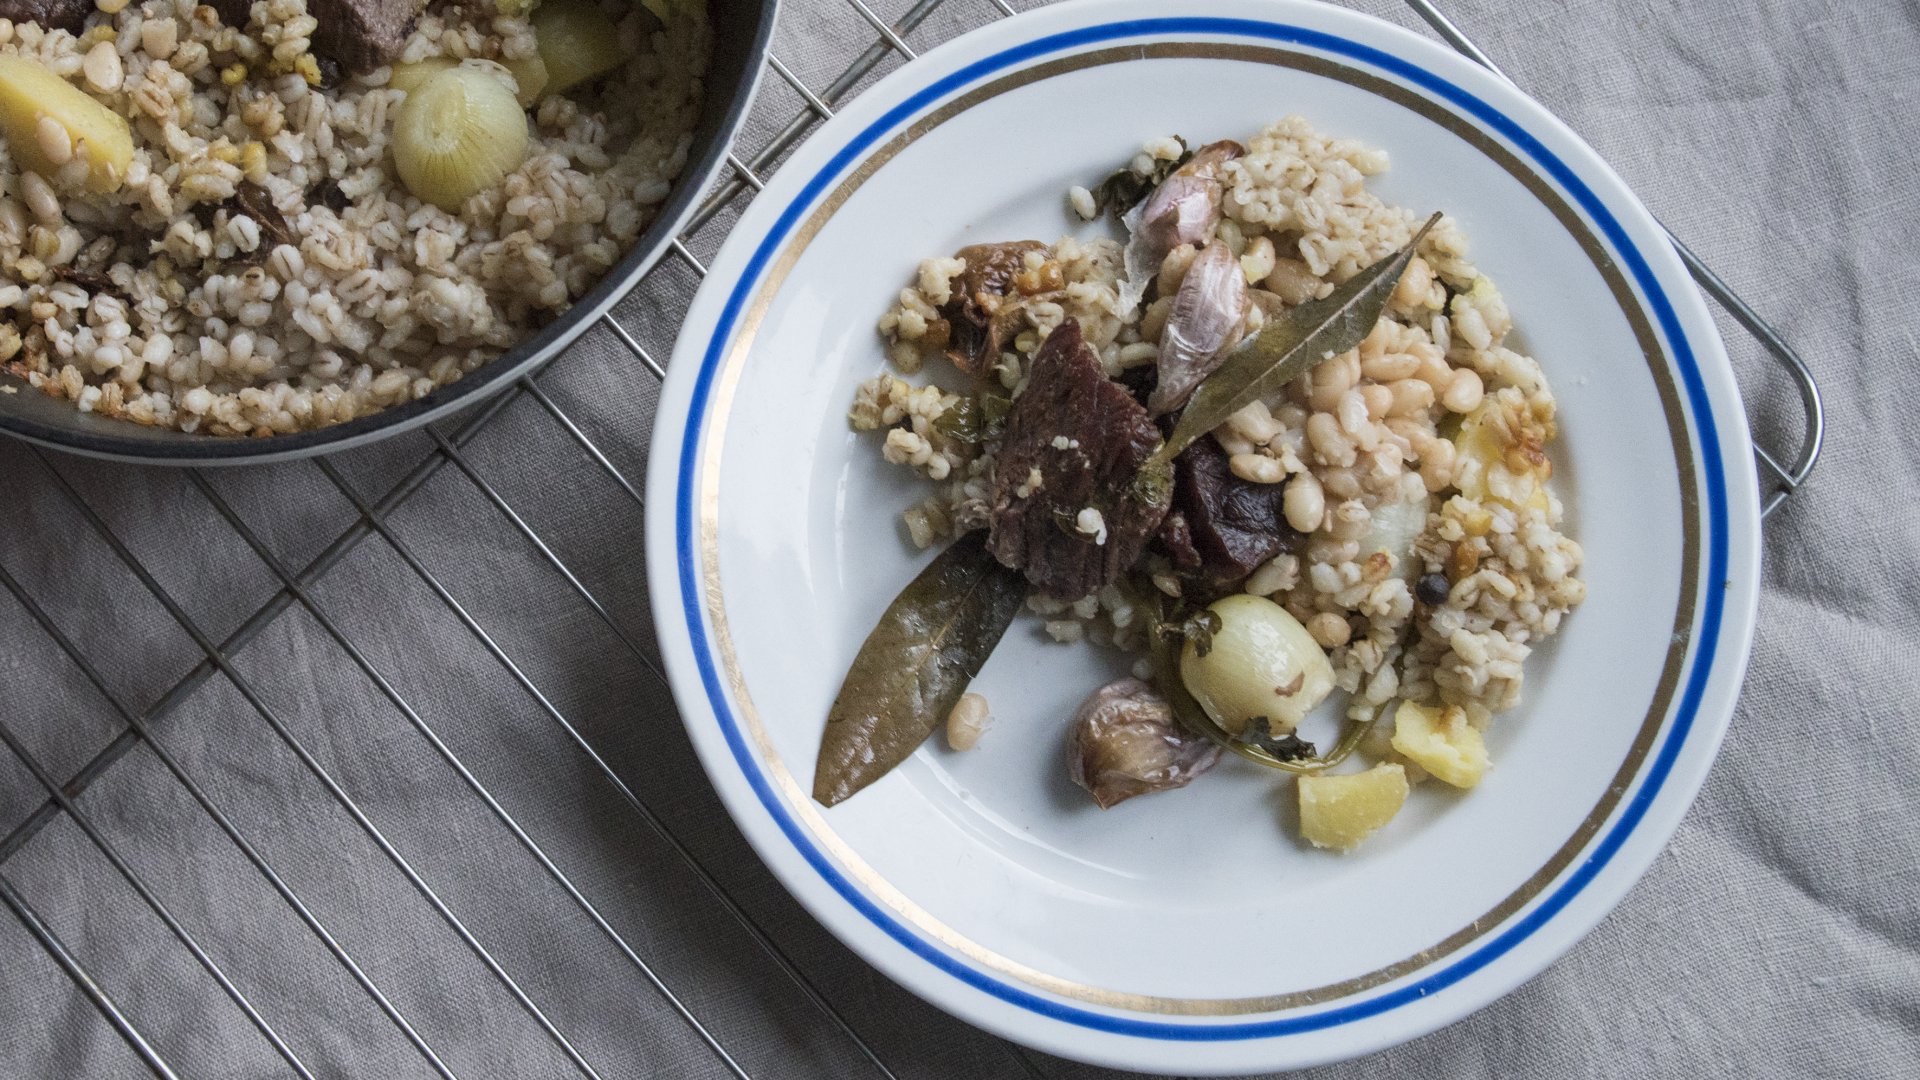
{"points": [[983, 314], [1233, 524], [1125, 743], [1140, 381], [1087, 438], [1176, 539], [363, 34], [359, 34], [68, 15]]}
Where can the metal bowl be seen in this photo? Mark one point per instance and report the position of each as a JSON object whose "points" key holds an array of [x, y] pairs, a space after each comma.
{"points": [[742, 30]]}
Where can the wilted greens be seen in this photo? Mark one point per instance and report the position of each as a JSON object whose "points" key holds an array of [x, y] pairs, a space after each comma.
{"points": [[1124, 188]]}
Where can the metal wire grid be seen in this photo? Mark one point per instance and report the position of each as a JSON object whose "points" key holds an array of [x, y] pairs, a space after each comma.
{"points": [[1784, 471]]}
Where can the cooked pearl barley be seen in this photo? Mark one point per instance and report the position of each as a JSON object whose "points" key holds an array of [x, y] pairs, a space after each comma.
{"points": [[1173, 268], [1329, 629], [966, 722], [1082, 202], [1279, 574], [158, 37], [40, 198], [1352, 412], [1257, 263], [102, 65], [1463, 392], [1154, 320], [1305, 502], [1257, 468], [54, 141]]}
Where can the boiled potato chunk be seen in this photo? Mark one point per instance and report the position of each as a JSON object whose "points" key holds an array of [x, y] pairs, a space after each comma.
{"points": [[1441, 741], [88, 130], [1500, 452], [1339, 812], [1261, 662]]}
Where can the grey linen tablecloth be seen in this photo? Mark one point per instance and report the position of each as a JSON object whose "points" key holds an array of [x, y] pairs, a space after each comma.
{"points": [[1779, 936]]}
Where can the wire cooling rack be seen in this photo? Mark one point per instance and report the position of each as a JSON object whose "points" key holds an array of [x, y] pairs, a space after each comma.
{"points": [[214, 663]]}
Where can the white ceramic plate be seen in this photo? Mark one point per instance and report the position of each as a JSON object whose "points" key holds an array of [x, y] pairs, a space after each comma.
{"points": [[1190, 932]]}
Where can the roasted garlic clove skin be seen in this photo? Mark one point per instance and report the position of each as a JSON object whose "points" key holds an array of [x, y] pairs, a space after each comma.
{"points": [[1125, 742]]}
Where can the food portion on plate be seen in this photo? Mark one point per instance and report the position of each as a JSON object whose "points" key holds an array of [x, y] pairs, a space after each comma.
{"points": [[253, 219], [1275, 442]]}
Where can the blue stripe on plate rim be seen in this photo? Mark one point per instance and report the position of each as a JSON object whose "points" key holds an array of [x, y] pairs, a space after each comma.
{"points": [[1696, 395]]}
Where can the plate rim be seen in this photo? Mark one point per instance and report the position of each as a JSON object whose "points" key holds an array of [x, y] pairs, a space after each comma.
{"points": [[1696, 722]]}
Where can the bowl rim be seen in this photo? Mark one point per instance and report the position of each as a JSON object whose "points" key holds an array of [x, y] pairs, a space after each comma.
{"points": [[143, 445]]}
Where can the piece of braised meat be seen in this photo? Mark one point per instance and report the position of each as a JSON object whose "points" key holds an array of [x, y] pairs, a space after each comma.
{"points": [[359, 34], [1232, 525], [68, 15], [1125, 743], [983, 312], [1065, 509]]}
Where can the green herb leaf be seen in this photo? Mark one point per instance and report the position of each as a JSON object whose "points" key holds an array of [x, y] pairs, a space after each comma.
{"points": [[915, 665], [974, 420], [1285, 349], [960, 421], [1288, 747]]}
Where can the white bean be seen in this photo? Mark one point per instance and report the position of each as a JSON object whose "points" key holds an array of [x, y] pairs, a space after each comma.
{"points": [[1330, 444], [1379, 399], [1305, 503], [1463, 392], [1257, 468], [40, 198], [966, 722], [1436, 465], [1389, 367], [1411, 397], [1254, 423]]}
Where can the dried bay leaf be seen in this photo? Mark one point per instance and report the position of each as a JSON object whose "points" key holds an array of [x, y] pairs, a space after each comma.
{"points": [[914, 666]]}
